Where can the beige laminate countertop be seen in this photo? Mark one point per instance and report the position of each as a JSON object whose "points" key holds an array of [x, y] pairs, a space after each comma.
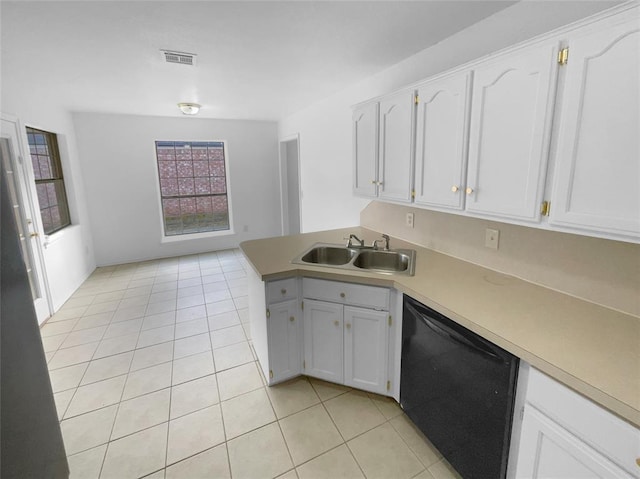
{"points": [[592, 349]]}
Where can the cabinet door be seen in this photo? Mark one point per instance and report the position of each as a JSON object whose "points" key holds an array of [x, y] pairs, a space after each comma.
{"points": [[441, 142], [366, 334], [597, 182], [549, 451], [396, 137], [323, 347], [284, 341], [511, 115], [365, 150]]}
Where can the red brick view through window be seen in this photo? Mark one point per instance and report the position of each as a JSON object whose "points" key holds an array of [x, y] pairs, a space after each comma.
{"points": [[193, 186], [47, 171]]}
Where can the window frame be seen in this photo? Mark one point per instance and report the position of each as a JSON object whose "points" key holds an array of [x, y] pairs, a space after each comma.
{"points": [[201, 235], [57, 178]]}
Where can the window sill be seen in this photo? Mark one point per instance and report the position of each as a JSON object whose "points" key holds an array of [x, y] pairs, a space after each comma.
{"points": [[55, 237], [195, 236]]}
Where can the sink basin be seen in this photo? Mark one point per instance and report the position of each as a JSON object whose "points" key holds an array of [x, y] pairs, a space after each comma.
{"points": [[331, 255], [394, 261]]}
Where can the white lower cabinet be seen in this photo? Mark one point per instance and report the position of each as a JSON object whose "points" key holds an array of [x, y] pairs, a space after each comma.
{"points": [[564, 435], [274, 316], [547, 450], [366, 341], [343, 343], [284, 341], [323, 349]]}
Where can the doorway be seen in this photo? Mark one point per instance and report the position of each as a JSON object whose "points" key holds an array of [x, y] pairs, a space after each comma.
{"points": [[290, 185], [27, 216]]}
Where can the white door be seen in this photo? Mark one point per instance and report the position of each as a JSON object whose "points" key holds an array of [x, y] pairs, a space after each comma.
{"points": [[597, 183], [548, 451], [366, 334], [365, 150], [396, 147], [511, 114], [290, 185], [323, 338], [21, 186], [441, 142], [284, 344]]}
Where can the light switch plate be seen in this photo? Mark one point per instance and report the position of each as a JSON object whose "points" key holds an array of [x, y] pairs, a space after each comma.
{"points": [[491, 238]]}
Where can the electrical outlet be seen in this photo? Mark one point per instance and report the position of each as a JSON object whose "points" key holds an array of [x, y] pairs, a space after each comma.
{"points": [[491, 238], [409, 220]]}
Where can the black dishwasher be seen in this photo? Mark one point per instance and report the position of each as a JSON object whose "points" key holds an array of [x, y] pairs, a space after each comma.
{"points": [[459, 389]]}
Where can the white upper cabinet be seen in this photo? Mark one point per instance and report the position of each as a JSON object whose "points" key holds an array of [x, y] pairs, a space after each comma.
{"points": [[365, 150], [396, 147], [597, 177], [441, 142], [511, 117]]}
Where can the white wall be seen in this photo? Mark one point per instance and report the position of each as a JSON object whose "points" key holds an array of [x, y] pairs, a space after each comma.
{"points": [[325, 126], [69, 257], [120, 174]]}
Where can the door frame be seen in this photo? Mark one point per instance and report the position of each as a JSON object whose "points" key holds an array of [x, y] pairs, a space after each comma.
{"points": [[27, 194], [284, 191]]}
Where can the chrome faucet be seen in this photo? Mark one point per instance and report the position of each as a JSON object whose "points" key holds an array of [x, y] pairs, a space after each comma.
{"points": [[354, 237], [385, 238]]}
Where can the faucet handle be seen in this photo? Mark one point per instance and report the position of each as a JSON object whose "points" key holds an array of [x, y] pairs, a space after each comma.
{"points": [[386, 241]]}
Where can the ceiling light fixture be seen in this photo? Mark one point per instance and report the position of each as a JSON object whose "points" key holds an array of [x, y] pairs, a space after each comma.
{"points": [[189, 108]]}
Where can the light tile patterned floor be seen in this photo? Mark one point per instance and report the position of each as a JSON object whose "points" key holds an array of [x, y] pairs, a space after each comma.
{"points": [[154, 376]]}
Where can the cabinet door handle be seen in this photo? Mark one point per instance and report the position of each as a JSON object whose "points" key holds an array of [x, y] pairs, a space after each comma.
{"points": [[374, 182], [342, 295], [336, 322], [348, 325], [292, 319], [469, 190], [283, 291], [454, 189]]}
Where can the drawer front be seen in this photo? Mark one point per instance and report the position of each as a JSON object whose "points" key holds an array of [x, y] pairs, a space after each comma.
{"points": [[282, 290], [606, 433], [373, 297]]}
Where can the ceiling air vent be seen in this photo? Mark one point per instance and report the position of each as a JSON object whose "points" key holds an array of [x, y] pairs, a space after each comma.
{"points": [[181, 58]]}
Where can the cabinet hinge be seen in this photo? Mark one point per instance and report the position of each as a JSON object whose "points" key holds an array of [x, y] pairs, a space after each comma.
{"points": [[413, 194], [545, 208], [390, 320], [268, 313], [563, 56], [388, 385], [302, 305], [416, 99], [522, 413], [304, 364], [270, 374]]}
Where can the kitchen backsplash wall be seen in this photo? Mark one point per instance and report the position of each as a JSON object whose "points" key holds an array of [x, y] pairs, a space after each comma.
{"points": [[602, 271]]}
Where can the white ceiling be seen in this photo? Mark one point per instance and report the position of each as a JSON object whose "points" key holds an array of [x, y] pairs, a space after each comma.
{"points": [[256, 60]]}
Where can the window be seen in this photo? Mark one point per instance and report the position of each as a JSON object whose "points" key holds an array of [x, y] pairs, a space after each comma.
{"points": [[47, 170], [193, 186]]}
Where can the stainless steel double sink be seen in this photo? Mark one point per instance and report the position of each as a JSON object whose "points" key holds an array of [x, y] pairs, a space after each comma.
{"points": [[358, 258]]}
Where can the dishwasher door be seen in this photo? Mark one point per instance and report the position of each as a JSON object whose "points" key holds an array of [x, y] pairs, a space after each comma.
{"points": [[459, 389]]}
